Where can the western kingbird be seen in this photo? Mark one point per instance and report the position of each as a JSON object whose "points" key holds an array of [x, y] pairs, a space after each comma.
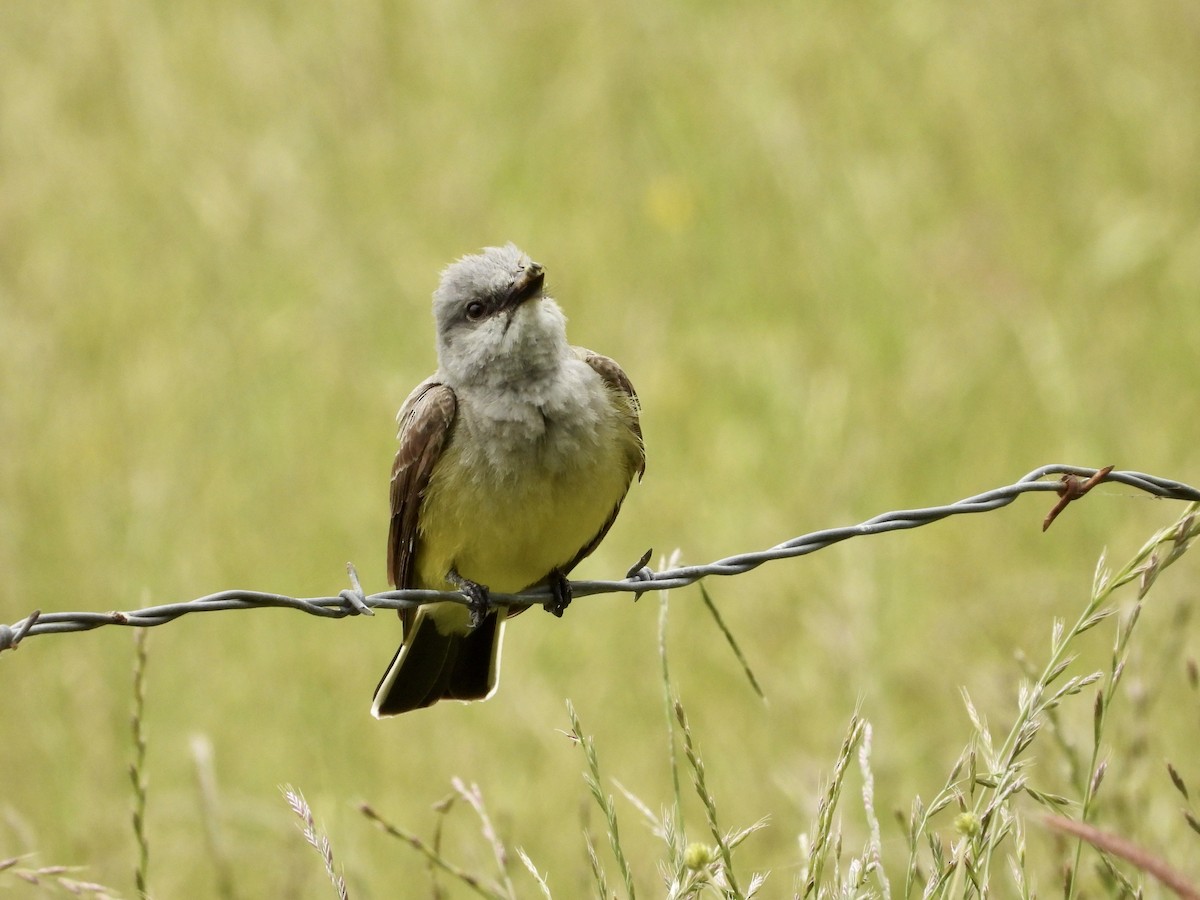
{"points": [[514, 459]]}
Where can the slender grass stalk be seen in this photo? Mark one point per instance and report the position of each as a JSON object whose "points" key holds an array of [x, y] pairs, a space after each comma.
{"points": [[137, 769], [441, 811], [1119, 846], [729, 639], [474, 797], [597, 869], [823, 838], [210, 813], [707, 799], [319, 840], [605, 801], [538, 877], [873, 856], [57, 876], [471, 881], [674, 847]]}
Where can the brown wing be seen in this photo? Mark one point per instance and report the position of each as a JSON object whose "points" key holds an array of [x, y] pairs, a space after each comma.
{"points": [[617, 382], [426, 420]]}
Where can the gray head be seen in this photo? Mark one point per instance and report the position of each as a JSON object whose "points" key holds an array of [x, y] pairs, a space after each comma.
{"points": [[495, 324]]}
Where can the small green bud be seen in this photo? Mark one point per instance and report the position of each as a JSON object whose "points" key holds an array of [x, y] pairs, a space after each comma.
{"points": [[698, 856], [967, 823]]}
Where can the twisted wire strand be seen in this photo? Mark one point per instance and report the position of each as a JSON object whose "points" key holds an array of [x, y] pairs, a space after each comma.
{"points": [[640, 580]]}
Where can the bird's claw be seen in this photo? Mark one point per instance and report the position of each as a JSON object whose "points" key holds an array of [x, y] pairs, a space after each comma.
{"points": [[479, 600], [560, 594]]}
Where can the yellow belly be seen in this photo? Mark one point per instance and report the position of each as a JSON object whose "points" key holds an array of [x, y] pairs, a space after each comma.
{"points": [[509, 533]]}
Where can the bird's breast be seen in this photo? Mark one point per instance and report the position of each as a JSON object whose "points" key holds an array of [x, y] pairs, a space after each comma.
{"points": [[521, 488]]}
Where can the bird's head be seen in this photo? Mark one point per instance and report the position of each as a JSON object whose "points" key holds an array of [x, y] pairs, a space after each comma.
{"points": [[495, 323]]}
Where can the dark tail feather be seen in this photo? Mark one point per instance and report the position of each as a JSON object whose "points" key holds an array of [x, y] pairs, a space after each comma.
{"points": [[474, 671], [432, 666]]}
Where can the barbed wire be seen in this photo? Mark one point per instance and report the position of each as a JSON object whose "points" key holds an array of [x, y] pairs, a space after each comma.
{"points": [[1074, 482]]}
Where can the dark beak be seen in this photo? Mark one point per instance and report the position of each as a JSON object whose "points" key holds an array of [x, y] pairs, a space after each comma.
{"points": [[526, 286]]}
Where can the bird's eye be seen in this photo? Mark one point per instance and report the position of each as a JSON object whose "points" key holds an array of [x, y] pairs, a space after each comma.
{"points": [[475, 310]]}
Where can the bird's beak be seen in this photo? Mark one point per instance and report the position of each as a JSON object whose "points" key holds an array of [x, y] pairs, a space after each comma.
{"points": [[526, 286]]}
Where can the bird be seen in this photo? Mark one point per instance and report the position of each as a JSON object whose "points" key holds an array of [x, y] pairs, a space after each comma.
{"points": [[514, 459]]}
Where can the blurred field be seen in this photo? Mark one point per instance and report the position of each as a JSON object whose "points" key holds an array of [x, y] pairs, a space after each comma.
{"points": [[855, 257]]}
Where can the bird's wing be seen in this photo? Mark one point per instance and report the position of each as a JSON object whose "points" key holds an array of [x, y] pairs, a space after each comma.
{"points": [[426, 420], [619, 384]]}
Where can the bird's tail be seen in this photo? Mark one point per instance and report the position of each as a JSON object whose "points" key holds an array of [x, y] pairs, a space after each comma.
{"points": [[435, 664]]}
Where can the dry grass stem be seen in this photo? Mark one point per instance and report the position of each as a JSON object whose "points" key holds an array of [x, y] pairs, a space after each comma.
{"points": [[475, 884], [318, 839], [137, 769], [1127, 850]]}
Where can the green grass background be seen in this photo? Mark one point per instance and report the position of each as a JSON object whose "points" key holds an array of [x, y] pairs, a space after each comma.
{"points": [[855, 256]]}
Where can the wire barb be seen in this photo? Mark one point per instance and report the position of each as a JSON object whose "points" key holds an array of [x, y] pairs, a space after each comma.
{"points": [[640, 571], [10, 636], [354, 602], [1072, 488]]}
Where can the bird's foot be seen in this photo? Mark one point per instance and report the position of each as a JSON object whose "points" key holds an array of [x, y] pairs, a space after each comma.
{"points": [[560, 594], [479, 600]]}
